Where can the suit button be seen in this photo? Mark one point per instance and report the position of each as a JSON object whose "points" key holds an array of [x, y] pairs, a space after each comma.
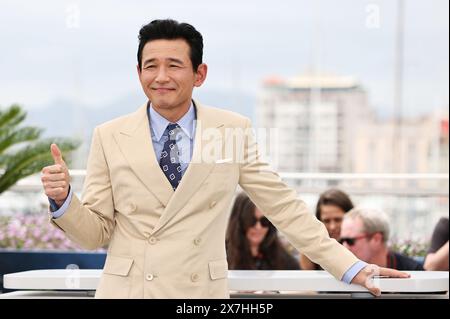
{"points": [[197, 241], [212, 204], [195, 277], [149, 277], [152, 240]]}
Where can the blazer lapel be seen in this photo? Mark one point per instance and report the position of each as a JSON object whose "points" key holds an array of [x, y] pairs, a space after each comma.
{"points": [[197, 170], [135, 142]]}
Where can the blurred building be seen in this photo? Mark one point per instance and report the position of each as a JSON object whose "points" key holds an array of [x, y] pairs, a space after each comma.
{"points": [[325, 124], [316, 117], [423, 147]]}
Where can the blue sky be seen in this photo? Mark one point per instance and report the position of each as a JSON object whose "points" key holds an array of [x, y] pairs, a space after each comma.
{"points": [[47, 54]]}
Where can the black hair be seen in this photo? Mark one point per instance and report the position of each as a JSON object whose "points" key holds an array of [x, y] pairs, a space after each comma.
{"points": [[169, 29], [333, 197], [238, 247]]}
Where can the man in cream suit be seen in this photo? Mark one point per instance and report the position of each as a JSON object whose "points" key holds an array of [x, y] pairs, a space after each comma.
{"points": [[160, 182]]}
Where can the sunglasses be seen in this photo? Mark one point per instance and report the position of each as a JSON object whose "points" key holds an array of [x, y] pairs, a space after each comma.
{"points": [[263, 221], [350, 240]]}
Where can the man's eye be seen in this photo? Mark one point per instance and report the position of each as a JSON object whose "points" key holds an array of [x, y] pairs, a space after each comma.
{"points": [[150, 66], [174, 66]]}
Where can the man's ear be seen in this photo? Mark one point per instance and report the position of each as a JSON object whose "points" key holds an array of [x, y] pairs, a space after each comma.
{"points": [[200, 75], [138, 69], [378, 237]]}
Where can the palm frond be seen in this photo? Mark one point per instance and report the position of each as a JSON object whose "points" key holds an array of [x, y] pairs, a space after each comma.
{"points": [[12, 116], [16, 136], [18, 161]]}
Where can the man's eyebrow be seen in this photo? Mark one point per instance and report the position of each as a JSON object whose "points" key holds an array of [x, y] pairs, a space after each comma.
{"points": [[169, 59], [175, 60], [149, 60]]}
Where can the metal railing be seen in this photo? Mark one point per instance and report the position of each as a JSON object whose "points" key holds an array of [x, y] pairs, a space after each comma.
{"points": [[33, 183]]}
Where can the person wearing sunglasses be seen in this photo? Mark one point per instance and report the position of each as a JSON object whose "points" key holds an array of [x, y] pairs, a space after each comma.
{"points": [[252, 241], [365, 232], [330, 210]]}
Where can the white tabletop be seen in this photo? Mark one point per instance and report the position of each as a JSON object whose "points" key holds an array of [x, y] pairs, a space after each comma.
{"points": [[239, 280], [310, 280]]}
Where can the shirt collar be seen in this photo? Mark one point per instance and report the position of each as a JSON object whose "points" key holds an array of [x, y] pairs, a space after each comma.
{"points": [[159, 124]]}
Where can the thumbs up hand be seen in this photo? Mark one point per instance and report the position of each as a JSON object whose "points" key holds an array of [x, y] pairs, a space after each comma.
{"points": [[55, 178]]}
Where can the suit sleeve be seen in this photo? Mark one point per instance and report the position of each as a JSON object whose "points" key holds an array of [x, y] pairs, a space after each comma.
{"points": [[288, 213], [90, 222]]}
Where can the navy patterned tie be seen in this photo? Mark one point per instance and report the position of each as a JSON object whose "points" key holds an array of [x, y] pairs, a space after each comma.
{"points": [[170, 161]]}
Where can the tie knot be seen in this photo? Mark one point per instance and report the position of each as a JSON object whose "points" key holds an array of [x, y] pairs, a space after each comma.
{"points": [[173, 129]]}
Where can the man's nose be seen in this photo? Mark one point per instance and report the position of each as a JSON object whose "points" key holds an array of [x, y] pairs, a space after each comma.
{"points": [[162, 75]]}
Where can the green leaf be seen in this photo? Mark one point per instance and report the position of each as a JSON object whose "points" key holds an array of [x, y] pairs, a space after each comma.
{"points": [[22, 151]]}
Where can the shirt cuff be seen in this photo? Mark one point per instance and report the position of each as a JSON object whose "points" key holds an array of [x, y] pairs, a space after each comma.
{"points": [[59, 211], [353, 271]]}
